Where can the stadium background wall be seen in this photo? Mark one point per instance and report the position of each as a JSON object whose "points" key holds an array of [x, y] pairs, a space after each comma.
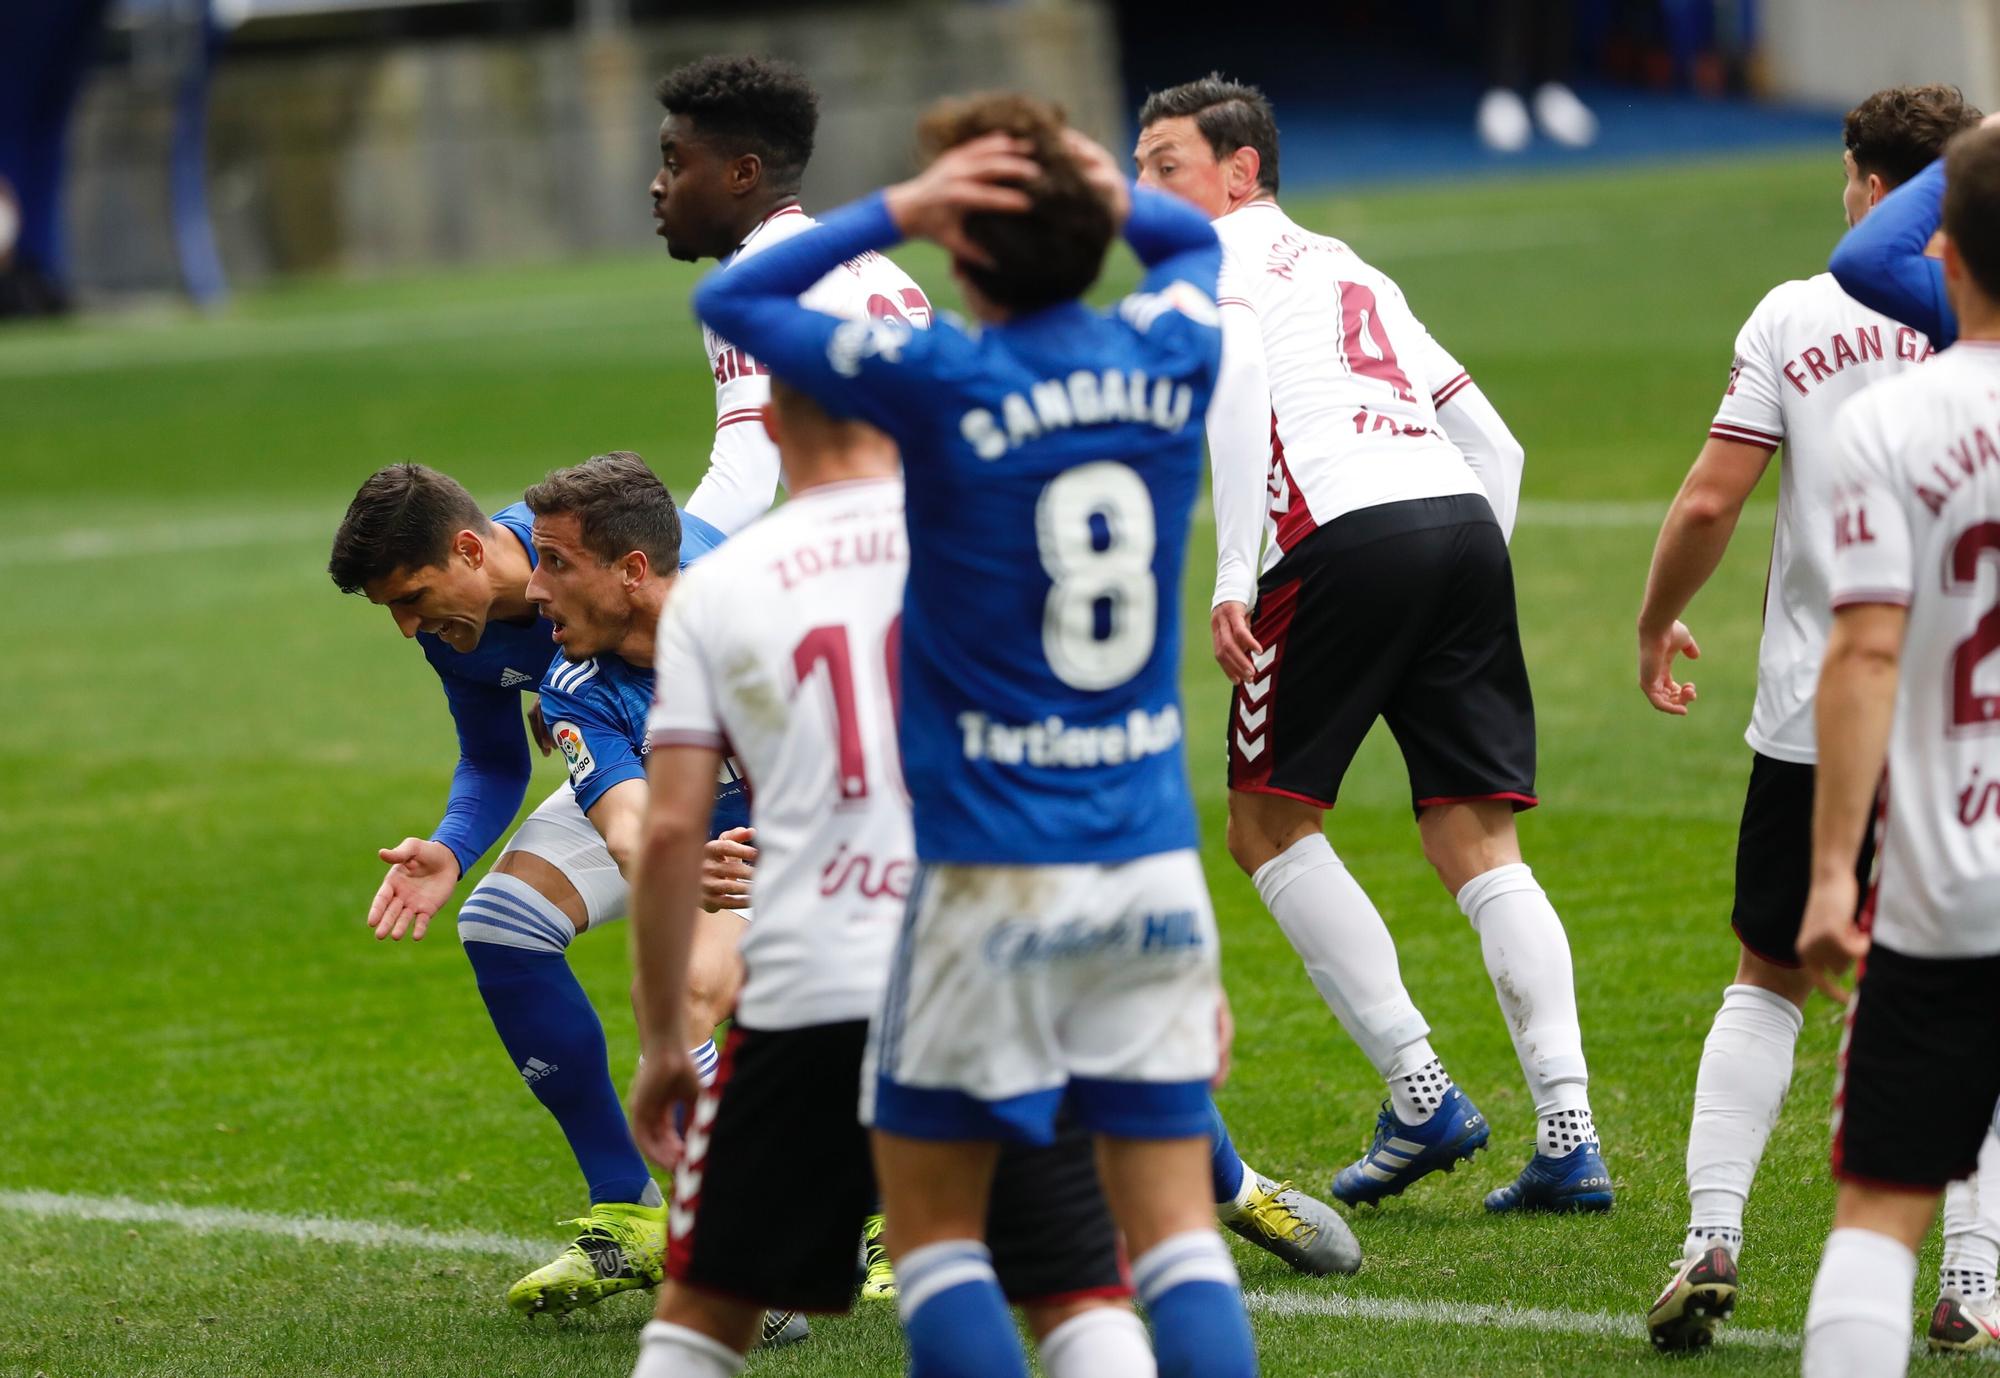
{"points": [[529, 146]]}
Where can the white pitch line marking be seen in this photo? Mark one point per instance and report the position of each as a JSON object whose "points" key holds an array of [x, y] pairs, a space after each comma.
{"points": [[315, 1229]]}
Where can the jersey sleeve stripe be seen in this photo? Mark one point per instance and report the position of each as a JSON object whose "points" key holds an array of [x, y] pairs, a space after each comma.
{"points": [[1729, 430], [1851, 598], [1451, 389], [1234, 301], [686, 736], [756, 416], [737, 413]]}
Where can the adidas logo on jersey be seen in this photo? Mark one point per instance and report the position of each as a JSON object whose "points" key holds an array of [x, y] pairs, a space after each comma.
{"points": [[534, 1069], [511, 677]]}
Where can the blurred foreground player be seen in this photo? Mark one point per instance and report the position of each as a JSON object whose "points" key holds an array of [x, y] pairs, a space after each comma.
{"points": [[805, 693], [1805, 351], [414, 541], [1908, 679], [1059, 932], [1388, 485]]}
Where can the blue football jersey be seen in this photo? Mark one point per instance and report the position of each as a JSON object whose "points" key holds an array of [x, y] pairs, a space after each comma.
{"points": [[596, 710], [1051, 468]]}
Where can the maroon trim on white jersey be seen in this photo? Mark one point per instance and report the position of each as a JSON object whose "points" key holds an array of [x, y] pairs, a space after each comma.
{"points": [[1293, 518], [1451, 389], [1854, 598], [1234, 301], [739, 416], [714, 741], [1744, 435]]}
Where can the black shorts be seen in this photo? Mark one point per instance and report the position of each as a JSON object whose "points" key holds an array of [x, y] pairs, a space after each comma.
{"points": [[769, 1205], [1403, 612], [1920, 1071], [1774, 859]]}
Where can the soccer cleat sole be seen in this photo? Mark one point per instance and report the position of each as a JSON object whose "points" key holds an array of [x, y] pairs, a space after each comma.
{"points": [[1701, 1296], [1953, 1332], [563, 1298], [1591, 1203], [1386, 1193]]}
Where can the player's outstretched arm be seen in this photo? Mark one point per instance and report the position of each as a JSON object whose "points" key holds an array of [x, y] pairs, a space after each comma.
{"points": [[422, 875], [1882, 264], [1853, 712], [1691, 544], [666, 885]]}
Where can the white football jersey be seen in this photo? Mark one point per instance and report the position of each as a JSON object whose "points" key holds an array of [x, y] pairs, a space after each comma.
{"points": [[742, 477], [1354, 378], [1806, 349], [782, 646], [1916, 521]]}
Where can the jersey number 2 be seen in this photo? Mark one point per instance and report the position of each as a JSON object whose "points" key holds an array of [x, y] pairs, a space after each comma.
{"points": [[1970, 708], [828, 646], [1094, 525]]}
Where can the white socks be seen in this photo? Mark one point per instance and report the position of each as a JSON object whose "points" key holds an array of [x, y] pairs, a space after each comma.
{"points": [[1416, 1097], [1103, 1342], [1972, 1230], [1347, 951], [674, 1351], [1858, 1322], [1746, 1069], [1527, 957]]}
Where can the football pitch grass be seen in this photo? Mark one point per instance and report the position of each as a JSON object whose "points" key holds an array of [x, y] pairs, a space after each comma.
{"points": [[242, 1137]]}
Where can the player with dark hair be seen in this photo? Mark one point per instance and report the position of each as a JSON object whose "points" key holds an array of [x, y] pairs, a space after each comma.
{"points": [[1387, 484], [1059, 933], [1804, 352], [735, 142], [1915, 523], [414, 541], [1893, 143]]}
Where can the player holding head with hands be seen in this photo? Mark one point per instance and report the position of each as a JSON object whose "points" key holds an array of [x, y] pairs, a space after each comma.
{"points": [[1906, 683], [1805, 351], [1059, 933]]}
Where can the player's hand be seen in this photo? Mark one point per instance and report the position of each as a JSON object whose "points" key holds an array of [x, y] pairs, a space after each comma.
{"points": [[975, 176], [1225, 1038], [422, 875], [666, 1082], [1229, 625], [1830, 939], [1101, 170], [725, 870], [1656, 668], [538, 728]]}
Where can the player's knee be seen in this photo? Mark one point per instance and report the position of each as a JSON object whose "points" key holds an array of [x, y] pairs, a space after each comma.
{"points": [[1261, 828], [1792, 983], [506, 911]]}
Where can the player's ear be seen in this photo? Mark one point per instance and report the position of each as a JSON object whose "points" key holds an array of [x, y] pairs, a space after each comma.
{"points": [[1245, 164], [746, 174], [772, 426], [1877, 189], [470, 548]]}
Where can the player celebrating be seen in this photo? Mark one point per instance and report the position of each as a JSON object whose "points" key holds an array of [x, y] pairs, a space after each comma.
{"points": [[414, 541], [805, 693], [1059, 932], [1907, 677], [1806, 350], [1388, 485], [734, 144]]}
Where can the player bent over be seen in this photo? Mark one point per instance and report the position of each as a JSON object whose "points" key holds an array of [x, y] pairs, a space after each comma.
{"points": [[1907, 680], [1059, 935], [1805, 351], [804, 692], [1387, 485], [414, 541]]}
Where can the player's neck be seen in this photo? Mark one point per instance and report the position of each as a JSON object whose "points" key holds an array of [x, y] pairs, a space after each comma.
{"points": [[840, 468], [1978, 317], [1249, 198], [507, 571], [755, 215]]}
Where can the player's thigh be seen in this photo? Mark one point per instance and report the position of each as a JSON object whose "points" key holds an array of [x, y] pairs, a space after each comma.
{"points": [[1157, 1188], [715, 966], [1332, 622], [559, 834], [1920, 1071], [1774, 874], [1054, 1245], [1262, 826], [1462, 713], [932, 1190], [781, 1110], [965, 1045]]}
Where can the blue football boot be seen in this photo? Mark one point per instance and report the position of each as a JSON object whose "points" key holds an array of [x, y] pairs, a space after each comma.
{"points": [[1577, 1181], [1403, 1154]]}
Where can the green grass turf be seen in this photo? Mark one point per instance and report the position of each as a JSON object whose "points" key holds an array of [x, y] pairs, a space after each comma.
{"points": [[210, 744]]}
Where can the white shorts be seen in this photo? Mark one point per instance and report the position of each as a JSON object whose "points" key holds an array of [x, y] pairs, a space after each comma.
{"points": [[559, 833], [1013, 983]]}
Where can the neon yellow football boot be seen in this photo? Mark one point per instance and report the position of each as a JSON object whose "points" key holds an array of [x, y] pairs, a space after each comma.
{"points": [[621, 1247], [879, 1283]]}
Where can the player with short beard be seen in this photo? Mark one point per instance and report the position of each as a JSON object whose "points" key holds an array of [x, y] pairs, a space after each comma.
{"points": [[1388, 485], [456, 581], [1905, 683], [1805, 351]]}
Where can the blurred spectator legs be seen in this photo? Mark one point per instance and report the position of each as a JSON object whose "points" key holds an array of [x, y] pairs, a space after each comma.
{"points": [[1530, 45], [45, 50]]}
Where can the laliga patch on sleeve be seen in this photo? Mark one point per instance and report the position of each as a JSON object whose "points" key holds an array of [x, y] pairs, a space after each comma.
{"points": [[575, 751]]}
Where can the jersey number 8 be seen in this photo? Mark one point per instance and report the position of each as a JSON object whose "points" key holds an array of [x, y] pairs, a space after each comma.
{"points": [[1094, 525]]}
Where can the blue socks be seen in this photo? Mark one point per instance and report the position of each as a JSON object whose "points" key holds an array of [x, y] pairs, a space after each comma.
{"points": [[1225, 1164], [1190, 1291], [515, 940], [954, 1314]]}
